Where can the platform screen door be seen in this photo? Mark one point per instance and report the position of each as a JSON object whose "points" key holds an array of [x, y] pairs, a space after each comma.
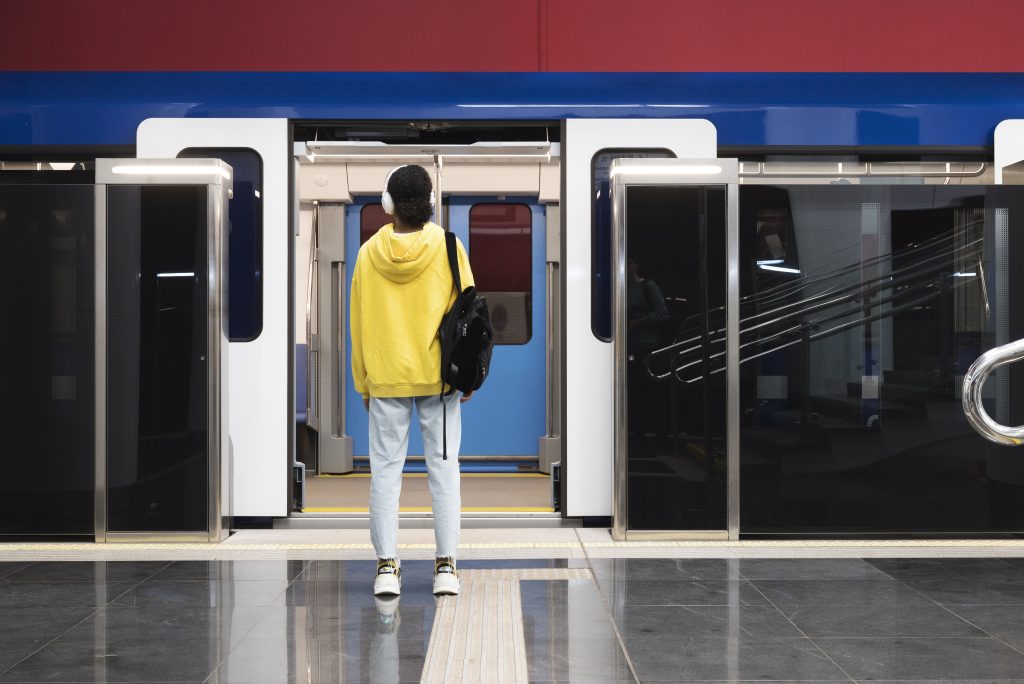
{"points": [[676, 348]]}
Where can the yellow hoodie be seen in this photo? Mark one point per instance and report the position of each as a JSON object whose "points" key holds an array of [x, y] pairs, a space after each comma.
{"points": [[401, 288]]}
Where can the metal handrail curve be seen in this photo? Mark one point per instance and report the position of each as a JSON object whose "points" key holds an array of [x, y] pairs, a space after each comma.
{"points": [[974, 380]]}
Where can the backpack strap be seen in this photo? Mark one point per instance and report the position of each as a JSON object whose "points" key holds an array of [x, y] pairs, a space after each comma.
{"points": [[453, 264], [453, 260]]}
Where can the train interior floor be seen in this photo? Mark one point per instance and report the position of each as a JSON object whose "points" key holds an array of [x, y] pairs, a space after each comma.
{"points": [[538, 605], [480, 492]]}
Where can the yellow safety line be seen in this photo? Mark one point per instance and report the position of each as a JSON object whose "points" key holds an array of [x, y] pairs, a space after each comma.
{"points": [[427, 509], [328, 475]]}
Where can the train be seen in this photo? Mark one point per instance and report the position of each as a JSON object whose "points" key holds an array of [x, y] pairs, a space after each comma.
{"points": [[727, 305]]}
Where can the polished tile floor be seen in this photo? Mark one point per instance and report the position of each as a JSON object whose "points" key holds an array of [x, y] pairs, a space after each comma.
{"points": [[615, 619]]}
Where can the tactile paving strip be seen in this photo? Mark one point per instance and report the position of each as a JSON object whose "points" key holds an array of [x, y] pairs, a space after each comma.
{"points": [[477, 636]]}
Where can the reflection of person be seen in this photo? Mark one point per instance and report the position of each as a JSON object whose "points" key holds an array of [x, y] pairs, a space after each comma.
{"points": [[384, 659], [401, 288], [645, 308], [647, 315]]}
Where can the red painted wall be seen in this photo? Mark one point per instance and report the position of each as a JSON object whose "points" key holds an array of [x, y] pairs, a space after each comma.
{"points": [[511, 35]]}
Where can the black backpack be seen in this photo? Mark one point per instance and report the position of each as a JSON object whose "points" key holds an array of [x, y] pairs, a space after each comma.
{"points": [[467, 339]]}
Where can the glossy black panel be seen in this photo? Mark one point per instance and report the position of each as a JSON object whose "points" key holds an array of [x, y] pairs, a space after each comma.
{"points": [[675, 294], [46, 359], [157, 465], [863, 306]]}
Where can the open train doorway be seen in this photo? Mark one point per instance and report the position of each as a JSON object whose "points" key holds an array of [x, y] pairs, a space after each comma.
{"points": [[500, 197]]}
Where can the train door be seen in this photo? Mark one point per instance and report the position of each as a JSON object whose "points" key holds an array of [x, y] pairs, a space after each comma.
{"points": [[590, 147], [503, 206], [259, 254], [502, 424], [505, 240]]}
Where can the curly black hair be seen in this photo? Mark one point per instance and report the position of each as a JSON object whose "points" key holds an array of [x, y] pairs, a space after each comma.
{"points": [[410, 188]]}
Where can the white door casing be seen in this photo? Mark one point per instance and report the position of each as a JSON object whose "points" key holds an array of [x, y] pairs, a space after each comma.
{"points": [[258, 389], [589, 362]]}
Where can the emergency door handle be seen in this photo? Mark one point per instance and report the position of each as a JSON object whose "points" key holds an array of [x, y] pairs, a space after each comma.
{"points": [[974, 380]]}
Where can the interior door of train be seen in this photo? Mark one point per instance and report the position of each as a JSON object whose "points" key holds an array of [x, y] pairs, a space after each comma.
{"points": [[505, 240]]}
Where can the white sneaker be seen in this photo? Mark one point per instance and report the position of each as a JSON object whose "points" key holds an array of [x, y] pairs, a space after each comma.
{"points": [[446, 579], [389, 578]]}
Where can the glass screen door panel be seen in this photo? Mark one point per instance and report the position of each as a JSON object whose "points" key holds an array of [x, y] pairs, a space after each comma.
{"points": [[673, 404], [158, 458]]}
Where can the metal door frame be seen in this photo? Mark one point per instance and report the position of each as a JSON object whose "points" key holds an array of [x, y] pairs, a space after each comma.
{"points": [[675, 172], [216, 177]]}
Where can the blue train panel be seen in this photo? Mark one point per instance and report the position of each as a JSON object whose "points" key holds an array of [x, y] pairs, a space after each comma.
{"points": [[748, 109]]}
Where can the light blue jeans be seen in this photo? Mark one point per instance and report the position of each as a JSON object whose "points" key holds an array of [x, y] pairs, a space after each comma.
{"points": [[389, 444]]}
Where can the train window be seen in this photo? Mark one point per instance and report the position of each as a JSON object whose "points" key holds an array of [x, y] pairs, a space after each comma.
{"points": [[245, 242], [371, 218], [500, 239], [601, 276]]}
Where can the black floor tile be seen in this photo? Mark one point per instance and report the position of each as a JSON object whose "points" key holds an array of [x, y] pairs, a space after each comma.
{"points": [[97, 660], [619, 569], [810, 569], [41, 624], [232, 570], [1014, 642], [359, 593], [838, 592], [997, 620], [764, 623], [127, 624], [576, 659], [332, 622], [945, 568], [215, 594], [380, 659], [973, 589], [924, 658], [682, 593], [7, 567], [549, 608], [903, 619], [60, 594], [14, 650], [681, 659], [87, 571]]}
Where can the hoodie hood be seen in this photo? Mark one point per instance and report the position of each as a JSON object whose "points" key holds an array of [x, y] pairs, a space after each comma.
{"points": [[401, 258]]}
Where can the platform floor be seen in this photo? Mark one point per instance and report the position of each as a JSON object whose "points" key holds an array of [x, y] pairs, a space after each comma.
{"points": [[480, 492], [537, 620]]}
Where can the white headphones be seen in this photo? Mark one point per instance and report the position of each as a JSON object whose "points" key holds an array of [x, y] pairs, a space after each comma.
{"points": [[387, 201]]}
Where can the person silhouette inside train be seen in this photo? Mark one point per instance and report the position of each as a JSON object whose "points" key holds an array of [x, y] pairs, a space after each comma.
{"points": [[647, 318], [401, 288]]}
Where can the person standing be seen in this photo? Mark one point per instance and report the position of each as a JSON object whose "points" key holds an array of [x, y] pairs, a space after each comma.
{"points": [[401, 288]]}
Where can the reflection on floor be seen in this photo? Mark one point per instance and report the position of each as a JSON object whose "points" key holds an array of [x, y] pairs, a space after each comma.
{"points": [[480, 492], [613, 619]]}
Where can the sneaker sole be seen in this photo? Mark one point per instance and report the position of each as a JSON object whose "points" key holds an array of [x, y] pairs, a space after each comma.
{"points": [[387, 590], [446, 589]]}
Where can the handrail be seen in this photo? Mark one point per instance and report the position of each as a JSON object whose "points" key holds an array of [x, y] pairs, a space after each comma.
{"points": [[974, 380]]}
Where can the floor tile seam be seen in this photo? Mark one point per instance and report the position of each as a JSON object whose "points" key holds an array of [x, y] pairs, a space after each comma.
{"points": [[1018, 649], [802, 632], [95, 612], [607, 609], [7, 574]]}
